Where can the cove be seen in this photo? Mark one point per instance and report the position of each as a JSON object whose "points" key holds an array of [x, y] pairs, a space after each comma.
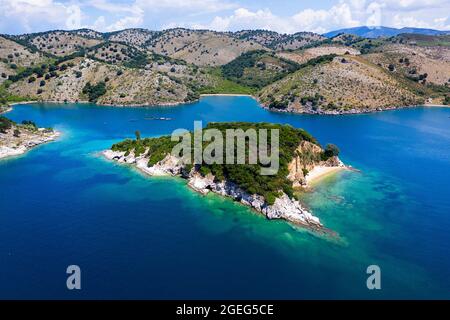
{"points": [[140, 237]]}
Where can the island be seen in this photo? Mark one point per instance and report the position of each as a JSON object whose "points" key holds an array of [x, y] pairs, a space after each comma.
{"points": [[301, 160], [16, 139]]}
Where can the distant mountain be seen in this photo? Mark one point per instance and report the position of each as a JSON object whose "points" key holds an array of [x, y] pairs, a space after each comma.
{"points": [[375, 32]]}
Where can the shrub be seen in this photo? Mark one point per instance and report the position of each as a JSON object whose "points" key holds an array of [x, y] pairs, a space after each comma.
{"points": [[5, 124], [94, 92], [330, 150], [29, 123]]}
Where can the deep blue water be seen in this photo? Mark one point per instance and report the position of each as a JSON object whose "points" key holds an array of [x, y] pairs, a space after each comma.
{"points": [[140, 237]]}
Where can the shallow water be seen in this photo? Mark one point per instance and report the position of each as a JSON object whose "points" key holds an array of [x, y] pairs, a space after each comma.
{"points": [[140, 237]]}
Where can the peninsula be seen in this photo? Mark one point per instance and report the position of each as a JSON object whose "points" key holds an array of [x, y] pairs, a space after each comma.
{"points": [[16, 139]]}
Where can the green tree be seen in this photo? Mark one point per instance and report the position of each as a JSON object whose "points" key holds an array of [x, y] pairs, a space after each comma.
{"points": [[138, 135], [331, 150]]}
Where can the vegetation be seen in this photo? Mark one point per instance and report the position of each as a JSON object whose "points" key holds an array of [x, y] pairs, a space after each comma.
{"points": [[94, 92], [222, 85], [258, 68], [447, 100], [6, 97], [330, 150], [246, 176], [5, 124]]}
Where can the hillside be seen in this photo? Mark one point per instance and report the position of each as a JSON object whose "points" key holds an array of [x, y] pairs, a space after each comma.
{"points": [[257, 68], [132, 37], [341, 85], [62, 43], [301, 72], [423, 40], [122, 86], [200, 47], [303, 56], [14, 56], [277, 41], [421, 64], [114, 53]]}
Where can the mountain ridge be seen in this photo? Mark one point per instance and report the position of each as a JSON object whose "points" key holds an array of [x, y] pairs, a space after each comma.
{"points": [[381, 31]]}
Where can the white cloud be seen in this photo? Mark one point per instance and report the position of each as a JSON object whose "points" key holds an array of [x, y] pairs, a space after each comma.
{"points": [[194, 7], [223, 15], [28, 14], [345, 14]]}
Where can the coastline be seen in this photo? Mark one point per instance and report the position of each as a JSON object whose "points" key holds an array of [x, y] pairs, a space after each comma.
{"points": [[284, 208], [319, 173], [433, 105], [32, 141]]}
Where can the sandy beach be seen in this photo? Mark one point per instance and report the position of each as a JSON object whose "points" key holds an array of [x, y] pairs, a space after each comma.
{"points": [[321, 172]]}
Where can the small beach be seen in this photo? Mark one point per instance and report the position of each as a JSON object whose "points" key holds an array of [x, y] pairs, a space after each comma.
{"points": [[321, 172]]}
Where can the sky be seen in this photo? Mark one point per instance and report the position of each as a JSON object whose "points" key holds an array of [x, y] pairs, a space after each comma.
{"points": [[26, 16]]}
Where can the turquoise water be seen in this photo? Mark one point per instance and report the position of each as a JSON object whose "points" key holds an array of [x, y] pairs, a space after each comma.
{"points": [[140, 237]]}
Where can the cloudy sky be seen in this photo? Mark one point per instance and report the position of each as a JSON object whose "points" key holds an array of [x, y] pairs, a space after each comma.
{"points": [[22, 16]]}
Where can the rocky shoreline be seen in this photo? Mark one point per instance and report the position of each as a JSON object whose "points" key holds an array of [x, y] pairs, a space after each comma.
{"points": [[10, 145], [283, 208], [334, 112]]}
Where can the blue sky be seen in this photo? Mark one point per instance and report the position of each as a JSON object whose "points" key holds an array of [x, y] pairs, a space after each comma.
{"points": [[23, 16]]}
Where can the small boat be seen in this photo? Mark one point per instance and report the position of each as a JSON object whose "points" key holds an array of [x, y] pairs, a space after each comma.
{"points": [[158, 118]]}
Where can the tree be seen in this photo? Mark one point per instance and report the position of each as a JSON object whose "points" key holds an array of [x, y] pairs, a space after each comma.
{"points": [[31, 79], [331, 150], [391, 67], [447, 100], [5, 124], [42, 83], [138, 135]]}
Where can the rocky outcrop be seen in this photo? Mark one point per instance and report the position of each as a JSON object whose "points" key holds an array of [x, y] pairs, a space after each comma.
{"points": [[13, 144], [283, 207], [307, 158]]}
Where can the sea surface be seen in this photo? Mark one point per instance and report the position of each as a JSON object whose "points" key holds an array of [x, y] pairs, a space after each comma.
{"points": [[135, 236]]}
